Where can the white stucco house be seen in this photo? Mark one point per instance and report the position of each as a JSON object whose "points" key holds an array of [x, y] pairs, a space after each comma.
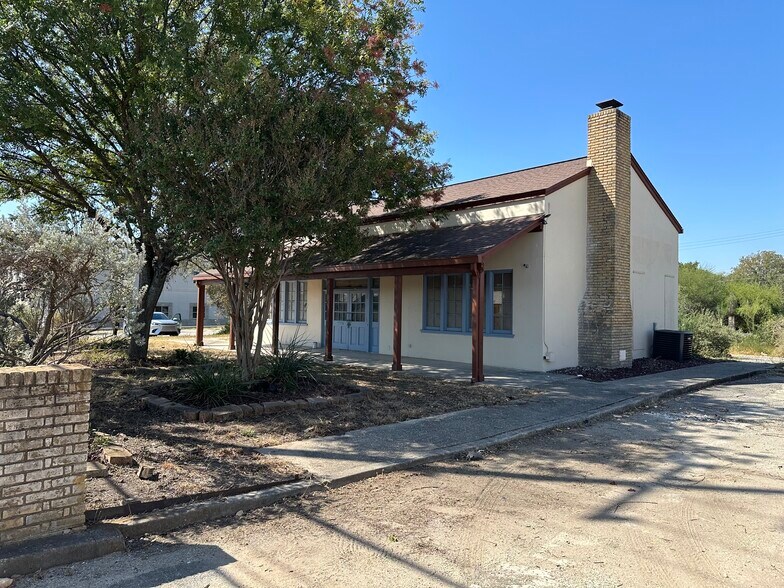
{"points": [[553, 266], [179, 298]]}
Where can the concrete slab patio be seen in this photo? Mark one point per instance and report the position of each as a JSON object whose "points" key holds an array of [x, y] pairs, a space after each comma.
{"points": [[564, 401]]}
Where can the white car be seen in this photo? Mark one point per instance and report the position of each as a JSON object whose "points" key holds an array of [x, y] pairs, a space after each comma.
{"points": [[163, 325]]}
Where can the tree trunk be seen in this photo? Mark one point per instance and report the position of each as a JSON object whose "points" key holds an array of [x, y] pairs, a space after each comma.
{"points": [[152, 278]]}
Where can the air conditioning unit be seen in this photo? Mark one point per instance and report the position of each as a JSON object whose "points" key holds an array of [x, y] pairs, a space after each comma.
{"points": [[675, 345]]}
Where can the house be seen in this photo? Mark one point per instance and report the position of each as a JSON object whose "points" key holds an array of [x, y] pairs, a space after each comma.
{"points": [[571, 263], [179, 298]]}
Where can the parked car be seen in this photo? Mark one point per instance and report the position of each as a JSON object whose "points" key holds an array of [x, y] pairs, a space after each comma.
{"points": [[163, 325]]}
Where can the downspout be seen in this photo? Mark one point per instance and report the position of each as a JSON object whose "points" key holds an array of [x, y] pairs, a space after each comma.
{"points": [[546, 356]]}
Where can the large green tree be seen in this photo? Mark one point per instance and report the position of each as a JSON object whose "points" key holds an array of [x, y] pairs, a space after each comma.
{"points": [[765, 268], [82, 84], [288, 148], [701, 289]]}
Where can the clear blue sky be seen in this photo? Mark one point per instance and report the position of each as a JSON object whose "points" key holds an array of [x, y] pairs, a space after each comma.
{"points": [[703, 82]]}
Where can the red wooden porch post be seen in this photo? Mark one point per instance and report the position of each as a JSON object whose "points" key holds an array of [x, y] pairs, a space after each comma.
{"points": [[330, 315], [200, 299], [276, 321], [232, 343], [397, 363], [477, 328]]}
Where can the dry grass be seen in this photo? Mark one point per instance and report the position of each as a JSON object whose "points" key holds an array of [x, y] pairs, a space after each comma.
{"points": [[195, 457]]}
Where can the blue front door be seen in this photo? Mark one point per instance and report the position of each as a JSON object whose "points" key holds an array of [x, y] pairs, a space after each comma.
{"points": [[351, 320]]}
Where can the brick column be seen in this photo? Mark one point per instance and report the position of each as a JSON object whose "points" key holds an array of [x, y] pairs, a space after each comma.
{"points": [[44, 420], [605, 323]]}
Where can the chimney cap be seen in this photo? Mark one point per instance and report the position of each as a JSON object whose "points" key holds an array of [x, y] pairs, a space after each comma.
{"points": [[612, 103]]}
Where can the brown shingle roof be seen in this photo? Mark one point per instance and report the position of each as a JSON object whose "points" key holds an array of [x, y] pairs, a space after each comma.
{"points": [[524, 182], [464, 242]]}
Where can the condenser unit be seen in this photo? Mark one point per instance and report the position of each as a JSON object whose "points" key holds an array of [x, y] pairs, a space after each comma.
{"points": [[675, 345]]}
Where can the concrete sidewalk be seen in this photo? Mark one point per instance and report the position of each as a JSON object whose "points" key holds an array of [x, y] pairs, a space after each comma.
{"points": [[564, 402]]}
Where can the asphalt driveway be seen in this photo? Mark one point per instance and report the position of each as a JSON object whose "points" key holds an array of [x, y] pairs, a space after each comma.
{"points": [[688, 493]]}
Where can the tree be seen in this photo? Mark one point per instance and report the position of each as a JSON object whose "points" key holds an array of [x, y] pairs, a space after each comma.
{"points": [[81, 83], [752, 303], [700, 289], [765, 268], [61, 282], [290, 147]]}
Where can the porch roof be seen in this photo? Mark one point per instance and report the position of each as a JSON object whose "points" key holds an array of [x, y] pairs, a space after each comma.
{"points": [[439, 250], [432, 249]]}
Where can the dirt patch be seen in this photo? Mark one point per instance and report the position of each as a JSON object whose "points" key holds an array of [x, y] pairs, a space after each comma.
{"points": [[640, 367], [688, 493], [199, 457]]}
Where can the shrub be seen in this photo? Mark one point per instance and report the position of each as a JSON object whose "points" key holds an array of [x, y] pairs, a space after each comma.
{"points": [[187, 357], [768, 339], [292, 364], [212, 385], [711, 337]]}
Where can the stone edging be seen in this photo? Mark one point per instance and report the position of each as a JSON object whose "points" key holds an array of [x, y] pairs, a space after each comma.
{"points": [[234, 412]]}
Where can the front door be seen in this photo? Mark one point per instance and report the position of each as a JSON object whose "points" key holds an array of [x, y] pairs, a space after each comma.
{"points": [[351, 324]]}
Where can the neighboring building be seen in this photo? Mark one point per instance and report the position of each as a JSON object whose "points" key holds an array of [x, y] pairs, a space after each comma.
{"points": [[179, 298], [572, 263]]}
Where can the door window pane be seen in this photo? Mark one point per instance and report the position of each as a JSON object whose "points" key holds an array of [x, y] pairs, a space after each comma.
{"points": [[358, 301], [375, 306], [433, 302], [341, 306]]}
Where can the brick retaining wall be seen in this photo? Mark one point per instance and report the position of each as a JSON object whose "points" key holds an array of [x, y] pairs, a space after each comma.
{"points": [[44, 414]]}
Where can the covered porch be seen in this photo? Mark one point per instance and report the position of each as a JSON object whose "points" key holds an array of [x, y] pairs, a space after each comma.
{"points": [[447, 251]]}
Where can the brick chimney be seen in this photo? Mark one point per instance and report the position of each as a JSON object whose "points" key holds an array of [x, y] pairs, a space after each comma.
{"points": [[605, 321]]}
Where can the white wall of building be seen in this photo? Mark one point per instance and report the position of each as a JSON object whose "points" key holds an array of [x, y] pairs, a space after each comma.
{"points": [[179, 297], [549, 280], [565, 243], [654, 255], [521, 350]]}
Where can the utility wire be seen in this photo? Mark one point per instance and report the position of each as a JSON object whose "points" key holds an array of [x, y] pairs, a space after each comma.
{"points": [[730, 241]]}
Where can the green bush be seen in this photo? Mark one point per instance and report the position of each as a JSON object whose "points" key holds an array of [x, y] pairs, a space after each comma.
{"points": [[711, 337], [768, 339], [212, 385], [187, 357], [292, 364]]}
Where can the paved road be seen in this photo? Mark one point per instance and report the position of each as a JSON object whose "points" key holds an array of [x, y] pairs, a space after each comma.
{"points": [[688, 493]]}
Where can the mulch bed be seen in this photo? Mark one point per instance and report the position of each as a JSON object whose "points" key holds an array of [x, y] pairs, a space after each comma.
{"points": [[259, 392], [640, 367]]}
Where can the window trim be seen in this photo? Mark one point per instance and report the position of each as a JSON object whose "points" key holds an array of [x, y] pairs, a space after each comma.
{"points": [[488, 330], [284, 311], [443, 306], [489, 279]]}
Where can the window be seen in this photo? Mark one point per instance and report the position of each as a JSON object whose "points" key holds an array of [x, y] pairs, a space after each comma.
{"points": [[447, 303], [454, 302], [194, 311], [433, 302], [293, 302], [164, 308], [500, 301]]}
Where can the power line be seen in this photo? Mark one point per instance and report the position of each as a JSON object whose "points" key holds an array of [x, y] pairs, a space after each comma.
{"points": [[725, 238], [729, 241]]}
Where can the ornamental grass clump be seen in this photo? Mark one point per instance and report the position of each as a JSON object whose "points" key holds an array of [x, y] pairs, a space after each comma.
{"points": [[213, 385]]}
